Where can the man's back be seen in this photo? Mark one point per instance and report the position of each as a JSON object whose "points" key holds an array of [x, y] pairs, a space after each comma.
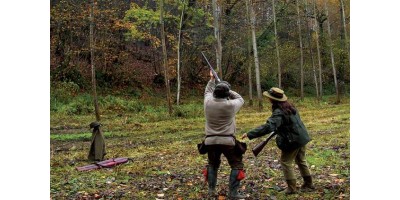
{"points": [[220, 116]]}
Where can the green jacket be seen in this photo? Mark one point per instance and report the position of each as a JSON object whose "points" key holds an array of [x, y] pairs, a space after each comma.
{"points": [[291, 132]]}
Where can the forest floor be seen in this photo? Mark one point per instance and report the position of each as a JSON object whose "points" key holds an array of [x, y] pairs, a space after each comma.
{"points": [[165, 163]]}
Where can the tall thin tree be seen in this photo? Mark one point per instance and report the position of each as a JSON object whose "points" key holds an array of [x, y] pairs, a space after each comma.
{"points": [[256, 62], [249, 55], [164, 55], [331, 51], [96, 104], [346, 41], [277, 46], [311, 49], [178, 71], [301, 52], [318, 49], [217, 33]]}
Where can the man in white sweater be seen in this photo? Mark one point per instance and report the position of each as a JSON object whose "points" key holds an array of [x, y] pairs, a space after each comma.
{"points": [[220, 107]]}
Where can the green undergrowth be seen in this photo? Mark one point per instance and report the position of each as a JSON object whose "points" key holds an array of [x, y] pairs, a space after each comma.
{"points": [[143, 110], [165, 162], [84, 136]]}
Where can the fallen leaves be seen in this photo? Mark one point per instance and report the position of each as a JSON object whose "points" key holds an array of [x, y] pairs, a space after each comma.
{"points": [[96, 196], [160, 195], [334, 175]]}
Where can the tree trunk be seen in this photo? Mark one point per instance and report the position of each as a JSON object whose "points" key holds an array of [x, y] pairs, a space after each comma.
{"points": [[301, 53], [219, 63], [249, 56], [277, 46], [256, 62], [96, 105], [311, 51], [344, 28], [318, 51], [164, 55], [331, 51], [178, 71], [217, 34]]}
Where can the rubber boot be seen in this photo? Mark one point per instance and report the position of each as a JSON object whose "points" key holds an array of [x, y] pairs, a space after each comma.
{"points": [[291, 187], [212, 181], [234, 184], [308, 185]]}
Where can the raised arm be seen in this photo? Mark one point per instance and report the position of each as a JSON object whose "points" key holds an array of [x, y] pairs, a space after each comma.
{"points": [[236, 99], [208, 93]]}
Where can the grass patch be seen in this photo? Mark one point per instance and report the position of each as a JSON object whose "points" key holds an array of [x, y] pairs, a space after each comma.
{"points": [[320, 157], [83, 136]]}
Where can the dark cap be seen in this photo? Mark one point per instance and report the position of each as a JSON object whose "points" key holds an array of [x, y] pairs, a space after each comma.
{"points": [[222, 90], [94, 125]]}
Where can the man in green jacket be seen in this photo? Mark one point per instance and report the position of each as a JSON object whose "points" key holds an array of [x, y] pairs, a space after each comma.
{"points": [[292, 137], [220, 107]]}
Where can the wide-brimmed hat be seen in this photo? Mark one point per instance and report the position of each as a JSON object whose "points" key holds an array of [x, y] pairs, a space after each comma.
{"points": [[275, 94]]}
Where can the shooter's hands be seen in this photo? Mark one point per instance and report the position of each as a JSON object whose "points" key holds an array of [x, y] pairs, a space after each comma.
{"points": [[212, 76], [243, 136]]}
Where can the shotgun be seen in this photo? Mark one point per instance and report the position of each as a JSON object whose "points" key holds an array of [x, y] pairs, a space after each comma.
{"points": [[257, 149], [211, 68]]}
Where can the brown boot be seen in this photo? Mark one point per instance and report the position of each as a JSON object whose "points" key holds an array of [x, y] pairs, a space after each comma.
{"points": [[308, 185], [291, 187]]}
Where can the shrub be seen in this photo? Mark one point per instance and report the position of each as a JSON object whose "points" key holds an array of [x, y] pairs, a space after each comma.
{"points": [[113, 103], [82, 104], [135, 106], [61, 93], [188, 110]]}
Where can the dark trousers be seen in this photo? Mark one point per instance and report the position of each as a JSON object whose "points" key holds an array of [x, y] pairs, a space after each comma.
{"points": [[235, 160]]}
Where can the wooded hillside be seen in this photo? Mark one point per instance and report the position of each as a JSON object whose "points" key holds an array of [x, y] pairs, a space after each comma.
{"points": [[301, 45]]}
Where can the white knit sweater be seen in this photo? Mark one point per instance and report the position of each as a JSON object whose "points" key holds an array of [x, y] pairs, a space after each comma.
{"points": [[220, 116]]}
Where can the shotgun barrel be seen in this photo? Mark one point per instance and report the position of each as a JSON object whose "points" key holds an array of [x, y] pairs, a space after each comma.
{"points": [[211, 68]]}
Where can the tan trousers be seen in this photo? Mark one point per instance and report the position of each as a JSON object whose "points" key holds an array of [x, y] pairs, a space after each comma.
{"points": [[299, 156]]}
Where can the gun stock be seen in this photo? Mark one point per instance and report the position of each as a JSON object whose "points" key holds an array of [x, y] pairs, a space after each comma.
{"points": [[257, 149]]}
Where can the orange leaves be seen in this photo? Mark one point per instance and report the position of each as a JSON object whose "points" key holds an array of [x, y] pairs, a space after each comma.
{"points": [[221, 197]]}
